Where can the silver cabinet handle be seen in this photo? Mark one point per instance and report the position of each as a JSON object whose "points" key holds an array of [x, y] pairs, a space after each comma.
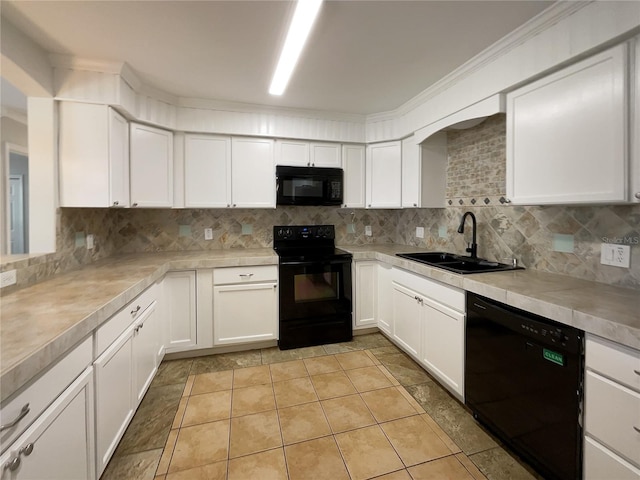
{"points": [[507, 200], [636, 429], [637, 372], [228, 205], [26, 450], [134, 204], [246, 275], [12, 464], [234, 205], [637, 195], [116, 203], [136, 310], [21, 415], [369, 205]]}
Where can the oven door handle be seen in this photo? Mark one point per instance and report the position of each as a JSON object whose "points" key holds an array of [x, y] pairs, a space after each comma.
{"points": [[315, 262]]}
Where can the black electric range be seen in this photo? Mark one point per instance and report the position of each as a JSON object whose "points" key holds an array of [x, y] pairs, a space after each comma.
{"points": [[314, 286]]}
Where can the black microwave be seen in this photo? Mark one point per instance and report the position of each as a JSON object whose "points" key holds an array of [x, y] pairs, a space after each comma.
{"points": [[309, 186]]}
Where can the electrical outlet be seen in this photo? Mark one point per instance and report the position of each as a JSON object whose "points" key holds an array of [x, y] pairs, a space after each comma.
{"points": [[8, 278], [184, 230], [419, 232], [615, 255], [442, 231], [208, 233], [367, 231], [80, 239], [247, 229], [351, 228], [89, 242]]}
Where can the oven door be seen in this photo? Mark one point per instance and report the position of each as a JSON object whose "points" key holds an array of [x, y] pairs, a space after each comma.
{"points": [[315, 289]]}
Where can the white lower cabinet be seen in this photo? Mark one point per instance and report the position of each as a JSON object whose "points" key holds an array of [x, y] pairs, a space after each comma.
{"points": [[612, 384], [245, 304], [124, 370], [428, 324], [407, 319], [114, 374], [384, 304], [443, 343], [365, 287], [179, 305], [59, 444]]}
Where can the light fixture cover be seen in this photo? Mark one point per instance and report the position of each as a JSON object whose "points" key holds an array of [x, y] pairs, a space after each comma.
{"points": [[301, 24]]}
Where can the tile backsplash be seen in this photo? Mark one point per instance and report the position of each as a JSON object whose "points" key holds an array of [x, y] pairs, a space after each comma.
{"points": [[475, 182]]}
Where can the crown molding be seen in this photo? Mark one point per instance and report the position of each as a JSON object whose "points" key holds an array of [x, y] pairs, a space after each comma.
{"points": [[19, 116], [530, 29]]}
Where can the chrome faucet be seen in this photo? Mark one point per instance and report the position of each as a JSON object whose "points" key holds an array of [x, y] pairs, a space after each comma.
{"points": [[473, 246]]}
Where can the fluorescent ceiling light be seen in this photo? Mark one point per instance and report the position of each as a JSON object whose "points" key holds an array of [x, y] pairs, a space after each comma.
{"points": [[303, 18]]}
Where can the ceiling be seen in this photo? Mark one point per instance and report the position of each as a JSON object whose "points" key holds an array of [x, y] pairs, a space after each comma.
{"points": [[362, 57]]}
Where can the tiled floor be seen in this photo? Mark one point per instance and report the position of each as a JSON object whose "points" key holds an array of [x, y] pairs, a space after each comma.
{"points": [[355, 410]]}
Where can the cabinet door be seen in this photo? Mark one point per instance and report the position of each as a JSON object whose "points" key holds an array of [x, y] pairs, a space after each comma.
{"points": [[59, 444], [146, 342], [207, 171], [245, 313], [114, 396], [325, 155], [179, 297], [566, 134], [443, 344], [151, 167], [602, 464], [93, 156], [384, 175], [365, 294], [118, 160], [253, 178], [354, 175], [385, 298], [407, 319], [411, 173], [292, 153]]}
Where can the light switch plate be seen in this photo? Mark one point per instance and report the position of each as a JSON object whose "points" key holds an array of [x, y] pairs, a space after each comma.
{"points": [[615, 255], [442, 231], [8, 278], [562, 243], [89, 242], [208, 233], [367, 231], [420, 232]]}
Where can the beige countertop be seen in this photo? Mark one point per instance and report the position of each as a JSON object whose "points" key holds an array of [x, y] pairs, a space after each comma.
{"points": [[38, 324]]}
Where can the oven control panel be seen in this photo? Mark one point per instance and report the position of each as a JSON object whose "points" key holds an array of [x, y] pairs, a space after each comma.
{"points": [[304, 232]]}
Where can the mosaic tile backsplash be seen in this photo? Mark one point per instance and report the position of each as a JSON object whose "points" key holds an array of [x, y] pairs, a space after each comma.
{"points": [[475, 182]]}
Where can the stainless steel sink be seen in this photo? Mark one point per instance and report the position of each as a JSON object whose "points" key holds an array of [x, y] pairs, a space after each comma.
{"points": [[457, 263]]}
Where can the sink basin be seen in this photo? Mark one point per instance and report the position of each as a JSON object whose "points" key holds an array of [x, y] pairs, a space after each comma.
{"points": [[457, 263]]}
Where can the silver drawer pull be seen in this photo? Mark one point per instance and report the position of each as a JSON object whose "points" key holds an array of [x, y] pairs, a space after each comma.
{"points": [[26, 450], [636, 429], [12, 464], [136, 310], [246, 275], [23, 413], [637, 372]]}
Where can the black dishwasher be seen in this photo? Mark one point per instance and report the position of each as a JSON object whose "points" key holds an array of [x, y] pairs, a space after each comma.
{"points": [[524, 381]]}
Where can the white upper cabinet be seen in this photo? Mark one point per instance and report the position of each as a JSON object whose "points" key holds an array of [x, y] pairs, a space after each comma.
{"points": [[384, 175], [354, 176], [424, 172], [94, 156], [325, 155], [151, 167], [635, 130], [566, 134], [253, 176], [207, 171], [298, 153], [293, 153]]}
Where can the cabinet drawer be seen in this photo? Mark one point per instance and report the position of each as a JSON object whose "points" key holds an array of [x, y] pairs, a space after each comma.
{"points": [[615, 361], [262, 273], [111, 330], [601, 464], [449, 296], [40, 393], [612, 416]]}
